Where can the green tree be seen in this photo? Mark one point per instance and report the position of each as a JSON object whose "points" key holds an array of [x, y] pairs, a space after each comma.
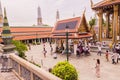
{"points": [[20, 47], [65, 71], [92, 23]]}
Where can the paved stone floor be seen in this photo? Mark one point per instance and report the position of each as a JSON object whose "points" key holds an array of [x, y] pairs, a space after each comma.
{"points": [[7, 75], [85, 65]]}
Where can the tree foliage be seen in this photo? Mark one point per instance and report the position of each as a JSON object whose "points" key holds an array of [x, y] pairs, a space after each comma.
{"points": [[20, 47], [92, 22], [65, 71]]}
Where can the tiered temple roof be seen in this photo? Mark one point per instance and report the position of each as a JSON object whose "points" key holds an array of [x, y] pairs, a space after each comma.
{"points": [[105, 3]]}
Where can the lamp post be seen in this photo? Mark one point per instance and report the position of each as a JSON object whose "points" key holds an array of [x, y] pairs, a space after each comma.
{"points": [[67, 27]]}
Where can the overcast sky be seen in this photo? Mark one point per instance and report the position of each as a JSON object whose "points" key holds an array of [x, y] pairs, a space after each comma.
{"points": [[24, 12]]}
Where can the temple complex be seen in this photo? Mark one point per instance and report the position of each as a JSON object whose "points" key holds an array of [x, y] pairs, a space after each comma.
{"points": [[110, 10], [28, 34], [77, 26]]}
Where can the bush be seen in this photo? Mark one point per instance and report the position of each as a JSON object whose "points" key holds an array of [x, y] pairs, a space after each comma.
{"points": [[35, 64], [38, 43], [65, 71], [20, 47], [34, 43]]}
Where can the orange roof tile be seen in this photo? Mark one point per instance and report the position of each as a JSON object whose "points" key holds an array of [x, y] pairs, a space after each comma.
{"points": [[24, 33]]}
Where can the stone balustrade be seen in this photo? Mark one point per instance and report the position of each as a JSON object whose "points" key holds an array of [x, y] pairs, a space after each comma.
{"points": [[95, 49], [27, 71]]}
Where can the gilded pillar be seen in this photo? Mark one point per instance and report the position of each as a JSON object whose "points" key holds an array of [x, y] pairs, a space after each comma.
{"points": [[107, 24], [115, 23], [100, 15]]}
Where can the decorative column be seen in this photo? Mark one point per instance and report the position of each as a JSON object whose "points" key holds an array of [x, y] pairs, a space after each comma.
{"points": [[112, 16], [27, 41], [115, 23], [100, 15], [107, 24], [39, 40]]}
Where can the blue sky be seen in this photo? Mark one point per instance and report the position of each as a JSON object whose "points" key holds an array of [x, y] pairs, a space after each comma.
{"points": [[24, 12]]}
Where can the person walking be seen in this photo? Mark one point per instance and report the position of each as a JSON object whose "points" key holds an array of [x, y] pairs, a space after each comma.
{"points": [[107, 55], [117, 57], [113, 57], [51, 50], [97, 67], [44, 52]]}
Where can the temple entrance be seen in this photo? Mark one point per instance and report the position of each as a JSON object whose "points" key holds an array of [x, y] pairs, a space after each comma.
{"points": [[110, 12]]}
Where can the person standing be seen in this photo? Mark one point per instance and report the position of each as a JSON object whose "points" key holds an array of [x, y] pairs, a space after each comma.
{"points": [[107, 55], [99, 50], [97, 67]]}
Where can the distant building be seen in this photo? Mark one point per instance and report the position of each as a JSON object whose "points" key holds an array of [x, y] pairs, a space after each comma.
{"points": [[39, 19], [27, 34], [78, 28]]}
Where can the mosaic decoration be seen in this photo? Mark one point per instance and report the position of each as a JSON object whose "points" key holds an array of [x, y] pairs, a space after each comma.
{"points": [[15, 66], [25, 73]]}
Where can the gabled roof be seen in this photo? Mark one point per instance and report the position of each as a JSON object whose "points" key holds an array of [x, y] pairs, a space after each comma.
{"points": [[77, 28], [105, 3], [73, 23]]}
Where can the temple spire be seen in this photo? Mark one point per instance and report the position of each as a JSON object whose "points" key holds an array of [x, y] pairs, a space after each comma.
{"points": [[39, 19], [1, 16], [84, 11], [0, 9], [5, 19], [57, 15], [73, 14], [5, 13], [6, 33], [91, 3]]}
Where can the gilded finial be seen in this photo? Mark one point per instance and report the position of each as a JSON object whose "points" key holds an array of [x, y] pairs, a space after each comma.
{"points": [[91, 3]]}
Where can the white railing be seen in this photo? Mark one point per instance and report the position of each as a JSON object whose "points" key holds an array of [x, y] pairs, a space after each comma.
{"points": [[27, 71]]}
